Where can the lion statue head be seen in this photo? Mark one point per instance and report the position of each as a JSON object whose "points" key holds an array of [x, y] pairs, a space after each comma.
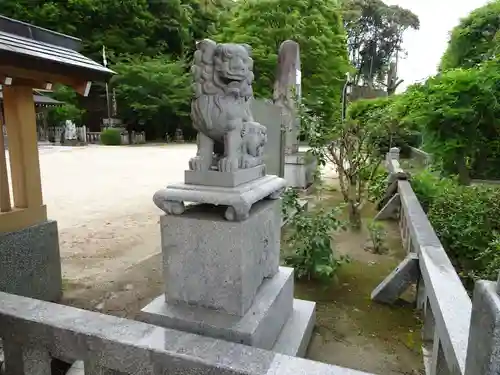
{"points": [[224, 69]]}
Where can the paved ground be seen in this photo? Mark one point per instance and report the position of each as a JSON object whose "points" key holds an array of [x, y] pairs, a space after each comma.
{"points": [[102, 199]]}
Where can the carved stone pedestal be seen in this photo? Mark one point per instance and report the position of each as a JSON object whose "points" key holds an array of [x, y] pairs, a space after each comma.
{"points": [[223, 280], [237, 200]]}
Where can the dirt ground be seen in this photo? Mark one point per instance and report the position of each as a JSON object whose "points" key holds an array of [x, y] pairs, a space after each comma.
{"points": [[110, 249], [351, 330]]}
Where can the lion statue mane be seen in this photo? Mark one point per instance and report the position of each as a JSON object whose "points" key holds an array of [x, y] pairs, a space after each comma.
{"points": [[228, 137]]}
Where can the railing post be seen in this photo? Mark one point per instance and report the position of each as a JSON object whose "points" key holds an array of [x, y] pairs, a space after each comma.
{"points": [[393, 153], [483, 351], [24, 360]]}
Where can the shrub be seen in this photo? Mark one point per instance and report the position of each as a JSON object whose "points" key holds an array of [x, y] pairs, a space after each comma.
{"points": [[311, 240], [377, 236], [111, 137], [465, 219], [378, 185], [290, 202]]}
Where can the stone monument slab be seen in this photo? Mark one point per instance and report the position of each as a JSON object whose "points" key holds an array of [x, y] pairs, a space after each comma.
{"points": [[224, 179]]}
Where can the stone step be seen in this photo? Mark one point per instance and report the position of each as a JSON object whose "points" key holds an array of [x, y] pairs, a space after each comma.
{"points": [[259, 327], [296, 334]]}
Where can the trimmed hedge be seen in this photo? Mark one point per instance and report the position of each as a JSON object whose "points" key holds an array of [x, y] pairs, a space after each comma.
{"points": [[111, 137]]}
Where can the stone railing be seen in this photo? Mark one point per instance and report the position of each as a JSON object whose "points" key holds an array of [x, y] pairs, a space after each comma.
{"points": [[137, 137], [93, 137], [460, 337], [55, 133], [421, 156], [34, 332]]}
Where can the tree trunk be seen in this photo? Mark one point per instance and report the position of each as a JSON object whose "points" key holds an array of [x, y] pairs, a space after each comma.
{"points": [[463, 172], [354, 216]]}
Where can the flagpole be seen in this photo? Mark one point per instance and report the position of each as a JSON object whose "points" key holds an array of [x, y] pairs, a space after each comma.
{"points": [[105, 63]]}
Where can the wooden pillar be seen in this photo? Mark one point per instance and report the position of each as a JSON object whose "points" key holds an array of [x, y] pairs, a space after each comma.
{"points": [[5, 205], [20, 121]]}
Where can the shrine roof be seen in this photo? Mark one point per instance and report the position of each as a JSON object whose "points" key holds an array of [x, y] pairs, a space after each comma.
{"points": [[30, 47]]}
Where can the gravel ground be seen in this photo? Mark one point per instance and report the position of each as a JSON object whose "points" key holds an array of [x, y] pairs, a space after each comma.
{"points": [[101, 197]]}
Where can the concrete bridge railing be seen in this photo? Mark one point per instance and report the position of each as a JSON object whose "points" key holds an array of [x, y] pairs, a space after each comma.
{"points": [[460, 337], [34, 332]]}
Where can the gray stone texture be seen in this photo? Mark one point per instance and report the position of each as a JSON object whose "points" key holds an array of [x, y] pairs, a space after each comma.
{"points": [[220, 109], [299, 170], [30, 263], [219, 264], [287, 91], [238, 199], [483, 354], [259, 327], [295, 336], [450, 302], [26, 360], [269, 115], [404, 275], [138, 348], [224, 179], [390, 209]]}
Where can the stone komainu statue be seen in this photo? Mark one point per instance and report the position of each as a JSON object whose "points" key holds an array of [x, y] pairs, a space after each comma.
{"points": [[228, 137]]}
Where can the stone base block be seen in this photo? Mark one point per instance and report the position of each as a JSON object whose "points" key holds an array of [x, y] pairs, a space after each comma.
{"points": [[259, 327], [299, 170], [224, 179], [218, 264], [30, 264], [238, 200], [296, 334]]}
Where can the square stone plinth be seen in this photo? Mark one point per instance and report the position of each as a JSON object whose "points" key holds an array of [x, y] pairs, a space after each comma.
{"points": [[214, 263], [30, 264], [259, 327], [224, 179]]}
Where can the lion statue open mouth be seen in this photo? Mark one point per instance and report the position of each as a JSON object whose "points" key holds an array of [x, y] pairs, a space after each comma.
{"points": [[228, 137]]}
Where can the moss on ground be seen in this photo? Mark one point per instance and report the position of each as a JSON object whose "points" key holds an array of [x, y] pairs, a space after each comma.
{"points": [[351, 330]]}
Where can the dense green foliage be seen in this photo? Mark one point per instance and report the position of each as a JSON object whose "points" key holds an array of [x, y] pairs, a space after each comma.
{"points": [[475, 39], [111, 137], [386, 112], [375, 34], [70, 110], [457, 114], [132, 27], [466, 220], [311, 240], [133, 31], [157, 92], [316, 25]]}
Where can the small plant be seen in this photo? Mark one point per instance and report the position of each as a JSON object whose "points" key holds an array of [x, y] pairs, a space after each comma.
{"points": [[377, 237], [490, 257], [378, 185], [311, 241], [111, 137], [290, 202]]}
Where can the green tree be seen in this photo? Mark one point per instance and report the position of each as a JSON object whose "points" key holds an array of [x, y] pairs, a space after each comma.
{"points": [[136, 27], [375, 34], [69, 110], [316, 25], [154, 94], [475, 39], [458, 112]]}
